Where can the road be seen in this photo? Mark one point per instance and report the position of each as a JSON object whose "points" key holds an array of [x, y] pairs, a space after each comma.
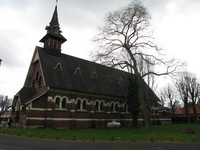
{"points": [[21, 143]]}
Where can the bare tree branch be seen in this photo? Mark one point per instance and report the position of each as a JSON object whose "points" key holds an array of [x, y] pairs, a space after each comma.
{"points": [[125, 40], [5, 102]]}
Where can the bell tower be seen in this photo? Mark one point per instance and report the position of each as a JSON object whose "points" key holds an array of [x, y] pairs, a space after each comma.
{"points": [[53, 39]]}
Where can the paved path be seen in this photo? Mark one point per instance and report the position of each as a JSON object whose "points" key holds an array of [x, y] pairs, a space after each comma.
{"points": [[20, 143]]}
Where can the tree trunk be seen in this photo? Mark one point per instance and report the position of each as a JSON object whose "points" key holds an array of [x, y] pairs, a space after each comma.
{"points": [[144, 103], [145, 107], [187, 112], [173, 111], [195, 112]]}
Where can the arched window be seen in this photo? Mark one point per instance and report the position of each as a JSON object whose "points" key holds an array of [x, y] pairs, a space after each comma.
{"points": [[23, 109], [40, 81], [112, 107], [116, 107], [78, 104], [18, 106], [64, 102], [101, 106], [37, 76], [97, 106], [57, 102], [125, 108], [84, 104]]}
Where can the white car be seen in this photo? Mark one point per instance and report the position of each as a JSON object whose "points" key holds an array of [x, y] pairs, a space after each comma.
{"points": [[113, 124]]}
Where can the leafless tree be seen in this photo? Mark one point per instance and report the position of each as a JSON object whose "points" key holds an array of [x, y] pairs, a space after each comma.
{"points": [[126, 38], [183, 91], [194, 91], [5, 102], [144, 68], [162, 98], [169, 95]]}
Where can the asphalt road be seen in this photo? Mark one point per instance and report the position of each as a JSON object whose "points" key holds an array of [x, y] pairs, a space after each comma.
{"points": [[20, 143]]}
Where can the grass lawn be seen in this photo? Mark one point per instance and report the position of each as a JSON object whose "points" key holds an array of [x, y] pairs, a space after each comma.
{"points": [[161, 133]]}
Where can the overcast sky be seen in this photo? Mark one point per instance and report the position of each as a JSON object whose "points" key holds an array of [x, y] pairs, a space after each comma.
{"points": [[176, 25]]}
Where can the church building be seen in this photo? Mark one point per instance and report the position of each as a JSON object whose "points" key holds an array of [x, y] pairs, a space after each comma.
{"points": [[62, 91]]}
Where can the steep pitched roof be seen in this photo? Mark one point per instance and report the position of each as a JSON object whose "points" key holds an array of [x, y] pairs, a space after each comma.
{"points": [[78, 75], [24, 95]]}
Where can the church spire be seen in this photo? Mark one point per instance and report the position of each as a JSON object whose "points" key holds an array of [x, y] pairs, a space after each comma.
{"points": [[53, 38], [54, 19]]}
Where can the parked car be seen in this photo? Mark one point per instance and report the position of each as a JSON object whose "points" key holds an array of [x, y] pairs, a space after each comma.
{"points": [[113, 124]]}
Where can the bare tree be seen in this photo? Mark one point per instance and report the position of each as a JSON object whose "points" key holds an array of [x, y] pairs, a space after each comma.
{"points": [[162, 98], [123, 40], [170, 96], [5, 102], [144, 68], [133, 102], [194, 91], [183, 91]]}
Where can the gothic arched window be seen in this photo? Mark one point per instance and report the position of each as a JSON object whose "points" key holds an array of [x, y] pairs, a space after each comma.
{"points": [[112, 107], [40, 81], [57, 102], [37, 76], [64, 101], [116, 107], [96, 106], [78, 104], [101, 106], [84, 104]]}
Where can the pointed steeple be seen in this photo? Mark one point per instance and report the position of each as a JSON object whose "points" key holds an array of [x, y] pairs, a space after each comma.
{"points": [[54, 19], [53, 39]]}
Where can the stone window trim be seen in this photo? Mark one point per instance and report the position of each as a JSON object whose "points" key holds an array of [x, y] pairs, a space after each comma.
{"points": [[58, 100], [40, 82], [114, 106], [124, 108], [78, 71], [99, 106], [37, 76], [93, 75], [81, 104], [23, 109], [58, 67], [17, 106]]}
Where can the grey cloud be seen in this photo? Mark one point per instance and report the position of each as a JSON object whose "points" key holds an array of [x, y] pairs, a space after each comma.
{"points": [[8, 53], [87, 13]]}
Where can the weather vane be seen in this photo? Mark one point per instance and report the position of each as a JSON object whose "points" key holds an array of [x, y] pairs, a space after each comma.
{"points": [[56, 2]]}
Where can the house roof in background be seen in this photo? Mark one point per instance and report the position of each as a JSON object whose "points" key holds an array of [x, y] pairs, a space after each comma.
{"points": [[181, 111]]}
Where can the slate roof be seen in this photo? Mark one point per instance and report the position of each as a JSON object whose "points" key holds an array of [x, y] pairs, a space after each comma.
{"points": [[25, 94], [72, 73]]}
